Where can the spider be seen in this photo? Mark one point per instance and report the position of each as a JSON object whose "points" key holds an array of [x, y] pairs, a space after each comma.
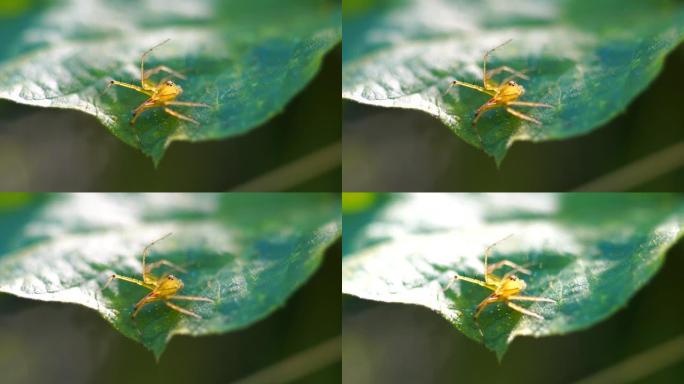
{"points": [[503, 95], [163, 289], [506, 288], [162, 94]]}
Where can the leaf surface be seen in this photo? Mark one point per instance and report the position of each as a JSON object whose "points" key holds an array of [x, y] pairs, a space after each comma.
{"points": [[589, 59], [246, 59], [247, 252], [589, 252]]}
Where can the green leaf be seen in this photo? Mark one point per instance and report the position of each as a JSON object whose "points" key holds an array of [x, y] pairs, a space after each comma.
{"points": [[588, 59], [589, 252], [247, 252], [246, 59]]}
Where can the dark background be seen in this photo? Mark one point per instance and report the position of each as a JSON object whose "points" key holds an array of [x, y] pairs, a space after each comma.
{"points": [[47, 149], [64, 343], [409, 151], [394, 343]]}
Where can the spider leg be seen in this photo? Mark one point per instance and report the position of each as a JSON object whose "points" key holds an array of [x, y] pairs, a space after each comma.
{"points": [[128, 279], [129, 86], [187, 104], [508, 69], [468, 280], [516, 267], [529, 104], [531, 298], [456, 83], [149, 298], [488, 250], [523, 310], [483, 108], [491, 299], [142, 61], [147, 104], [522, 116], [484, 62], [191, 298], [146, 251], [182, 310], [180, 116], [162, 68], [159, 263]]}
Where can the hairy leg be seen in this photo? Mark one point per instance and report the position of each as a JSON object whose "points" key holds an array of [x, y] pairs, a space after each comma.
{"points": [[523, 310], [180, 116], [182, 310], [191, 298], [187, 104], [530, 104], [523, 116]]}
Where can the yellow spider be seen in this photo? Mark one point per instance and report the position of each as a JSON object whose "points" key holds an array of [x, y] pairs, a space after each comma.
{"points": [[505, 289], [162, 94], [503, 95], [163, 289]]}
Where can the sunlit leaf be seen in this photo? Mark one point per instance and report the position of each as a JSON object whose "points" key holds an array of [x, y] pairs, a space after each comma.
{"points": [[589, 59], [247, 252], [246, 59], [589, 252]]}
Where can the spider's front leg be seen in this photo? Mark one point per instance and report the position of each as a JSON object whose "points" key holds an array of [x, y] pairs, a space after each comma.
{"points": [[129, 86], [457, 83], [125, 278]]}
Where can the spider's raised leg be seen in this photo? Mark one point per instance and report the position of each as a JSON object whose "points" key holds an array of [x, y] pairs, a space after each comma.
{"points": [[162, 68], [157, 264], [182, 310], [522, 116], [508, 263], [146, 251], [142, 61], [180, 116], [505, 68], [485, 79], [523, 310], [488, 250]]}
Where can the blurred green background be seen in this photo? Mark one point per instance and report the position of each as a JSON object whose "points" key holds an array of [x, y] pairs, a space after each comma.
{"points": [[393, 343], [403, 150], [43, 149], [62, 343]]}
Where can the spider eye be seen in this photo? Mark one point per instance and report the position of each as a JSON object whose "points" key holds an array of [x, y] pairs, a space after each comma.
{"points": [[514, 278], [512, 83], [169, 82], [172, 277]]}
